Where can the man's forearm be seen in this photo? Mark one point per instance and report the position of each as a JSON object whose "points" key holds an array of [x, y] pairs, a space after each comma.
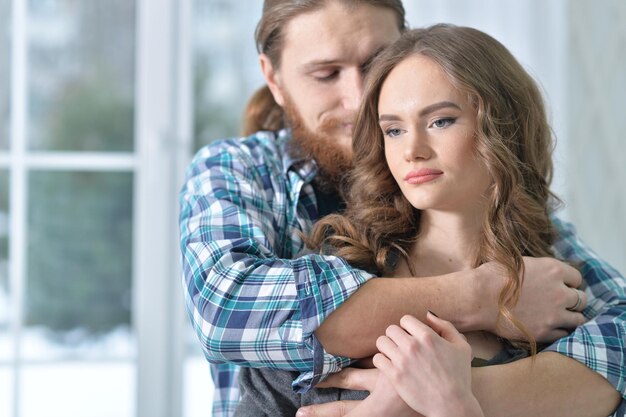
{"points": [[353, 328], [554, 385], [468, 299]]}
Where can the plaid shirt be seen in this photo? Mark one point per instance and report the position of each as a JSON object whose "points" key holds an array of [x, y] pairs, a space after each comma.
{"points": [[255, 297]]}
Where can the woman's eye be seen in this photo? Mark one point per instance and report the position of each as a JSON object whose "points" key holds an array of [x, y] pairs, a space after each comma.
{"points": [[444, 122], [393, 132]]}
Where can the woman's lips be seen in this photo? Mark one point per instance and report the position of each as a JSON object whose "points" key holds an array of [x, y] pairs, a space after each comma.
{"points": [[423, 175]]}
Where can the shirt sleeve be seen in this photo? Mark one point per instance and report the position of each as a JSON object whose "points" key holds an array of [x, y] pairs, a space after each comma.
{"points": [[248, 306], [599, 344]]}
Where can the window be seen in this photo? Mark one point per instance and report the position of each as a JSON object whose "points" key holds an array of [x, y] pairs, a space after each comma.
{"points": [[67, 173], [225, 66]]}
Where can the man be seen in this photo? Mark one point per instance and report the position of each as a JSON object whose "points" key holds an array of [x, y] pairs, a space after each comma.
{"points": [[256, 299]]}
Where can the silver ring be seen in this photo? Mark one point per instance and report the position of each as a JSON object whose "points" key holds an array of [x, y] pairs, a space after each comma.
{"points": [[579, 301]]}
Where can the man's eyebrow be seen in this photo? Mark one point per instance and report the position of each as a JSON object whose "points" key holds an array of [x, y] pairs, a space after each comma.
{"points": [[424, 112], [312, 65]]}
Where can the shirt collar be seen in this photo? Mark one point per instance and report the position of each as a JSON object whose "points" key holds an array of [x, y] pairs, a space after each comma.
{"points": [[293, 159]]}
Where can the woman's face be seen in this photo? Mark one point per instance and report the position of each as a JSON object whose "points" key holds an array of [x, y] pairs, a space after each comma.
{"points": [[429, 135]]}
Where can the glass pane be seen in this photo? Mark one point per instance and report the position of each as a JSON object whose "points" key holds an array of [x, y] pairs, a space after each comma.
{"points": [[81, 75], [226, 66], [78, 296], [76, 389], [5, 301], [6, 391], [197, 387], [5, 71]]}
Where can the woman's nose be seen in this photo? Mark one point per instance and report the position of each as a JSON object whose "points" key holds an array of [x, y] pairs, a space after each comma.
{"points": [[417, 147]]}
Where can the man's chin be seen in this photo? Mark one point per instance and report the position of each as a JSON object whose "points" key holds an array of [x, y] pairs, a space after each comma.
{"points": [[345, 143], [346, 153]]}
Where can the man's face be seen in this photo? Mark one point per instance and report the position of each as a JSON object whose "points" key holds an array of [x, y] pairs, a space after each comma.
{"points": [[320, 78]]}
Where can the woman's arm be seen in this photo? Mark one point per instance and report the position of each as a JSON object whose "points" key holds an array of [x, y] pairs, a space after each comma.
{"points": [[554, 385]]}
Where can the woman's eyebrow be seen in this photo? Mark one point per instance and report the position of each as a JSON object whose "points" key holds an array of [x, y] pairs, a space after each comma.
{"points": [[437, 106], [425, 111]]}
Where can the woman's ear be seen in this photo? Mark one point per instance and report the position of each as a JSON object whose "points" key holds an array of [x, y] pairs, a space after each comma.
{"points": [[272, 78]]}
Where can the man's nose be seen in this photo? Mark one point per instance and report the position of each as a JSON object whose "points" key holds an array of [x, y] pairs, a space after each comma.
{"points": [[353, 90]]}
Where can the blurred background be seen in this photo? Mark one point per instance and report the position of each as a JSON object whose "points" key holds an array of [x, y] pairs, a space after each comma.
{"points": [[102, 105]]}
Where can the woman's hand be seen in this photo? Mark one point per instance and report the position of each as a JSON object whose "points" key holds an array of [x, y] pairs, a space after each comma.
{"points": [[429, 367]]}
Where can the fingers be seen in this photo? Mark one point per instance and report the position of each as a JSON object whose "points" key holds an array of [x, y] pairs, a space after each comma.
{"points": [[577, 300], [414, 326], [441, 327], [381, 362], [444, 328], [351, 378], [411, 328], [571, 276], [396, 337], [332, 409], [572, 319], [553, 269], [569, 321]]}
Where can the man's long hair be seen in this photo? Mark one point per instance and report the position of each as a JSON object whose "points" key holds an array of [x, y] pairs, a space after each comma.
{"points": [[513, 140], [262, 112]]}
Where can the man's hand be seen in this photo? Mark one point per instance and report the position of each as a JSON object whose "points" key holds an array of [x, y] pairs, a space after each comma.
{"points": [[383, 399], [549, 291], [352, 378]]}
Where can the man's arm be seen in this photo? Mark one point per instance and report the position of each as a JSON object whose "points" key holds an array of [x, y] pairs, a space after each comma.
{"points": [[582, 374], [548, 385], [251, 304], [599, 344], [468, 299], [554, 385]]}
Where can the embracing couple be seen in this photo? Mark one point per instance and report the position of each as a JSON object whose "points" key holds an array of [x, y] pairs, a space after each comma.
{"points": [[382, 241]]}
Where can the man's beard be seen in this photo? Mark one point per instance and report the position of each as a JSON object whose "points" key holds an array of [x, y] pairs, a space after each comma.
{"points": [[333, 160]]}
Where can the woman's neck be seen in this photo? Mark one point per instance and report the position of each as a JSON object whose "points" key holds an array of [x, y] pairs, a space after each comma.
{"points": [[447, 242]]}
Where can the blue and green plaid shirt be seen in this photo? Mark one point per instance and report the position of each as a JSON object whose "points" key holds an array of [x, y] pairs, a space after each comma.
{"points": [[255, 297]]}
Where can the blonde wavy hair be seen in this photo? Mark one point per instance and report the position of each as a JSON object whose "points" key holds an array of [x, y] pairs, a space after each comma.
{"points": [[513, 139]]}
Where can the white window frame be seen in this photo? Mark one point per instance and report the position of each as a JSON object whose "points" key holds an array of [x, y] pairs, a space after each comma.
{"points": [[162, 149], [163, 138]]}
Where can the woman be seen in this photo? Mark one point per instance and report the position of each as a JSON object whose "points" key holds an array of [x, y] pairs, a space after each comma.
{"points": [[452, 154], [452, 140]]}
